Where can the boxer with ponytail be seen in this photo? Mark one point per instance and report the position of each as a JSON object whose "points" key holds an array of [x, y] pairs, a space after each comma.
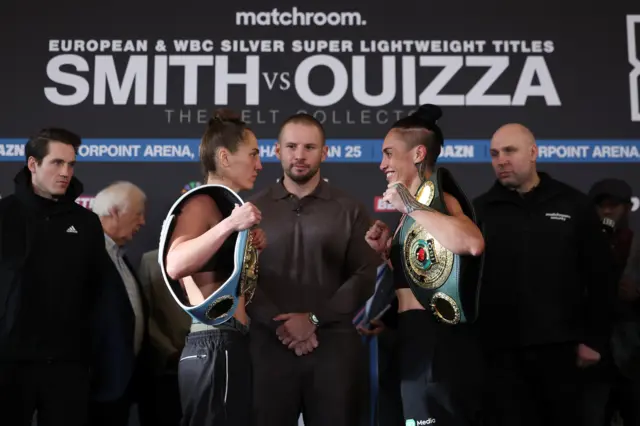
{"points": [[434, 257], [208, 252]]}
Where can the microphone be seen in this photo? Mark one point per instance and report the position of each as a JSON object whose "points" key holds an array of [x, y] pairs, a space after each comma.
{"points": [[297, 209], [608, 225]]}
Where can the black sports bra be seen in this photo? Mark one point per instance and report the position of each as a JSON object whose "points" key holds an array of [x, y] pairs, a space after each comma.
{"points": [[395, 255], [222, 262]]}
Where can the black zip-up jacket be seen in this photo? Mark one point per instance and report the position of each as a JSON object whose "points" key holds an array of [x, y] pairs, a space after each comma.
{"points": [[51, 257], [548, 269]]}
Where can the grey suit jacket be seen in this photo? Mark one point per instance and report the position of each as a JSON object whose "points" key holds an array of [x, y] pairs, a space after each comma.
{"points": [[168, 323]]}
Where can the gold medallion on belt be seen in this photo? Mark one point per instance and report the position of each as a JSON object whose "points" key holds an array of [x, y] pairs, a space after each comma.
{"points": [[427, 262], [219, 308], [249, 275]]}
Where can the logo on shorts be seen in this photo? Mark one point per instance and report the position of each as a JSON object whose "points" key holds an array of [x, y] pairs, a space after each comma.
{"points": [[412, 422]]}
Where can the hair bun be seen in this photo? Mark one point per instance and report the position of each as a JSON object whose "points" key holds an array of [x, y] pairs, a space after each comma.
{"points": [[429, 113], [225, 114]]}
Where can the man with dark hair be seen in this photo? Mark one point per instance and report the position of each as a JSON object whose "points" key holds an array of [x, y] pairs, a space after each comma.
{"points": [[613, 386], [612, 198], [314, 277], [304, 119], [51, 251]]}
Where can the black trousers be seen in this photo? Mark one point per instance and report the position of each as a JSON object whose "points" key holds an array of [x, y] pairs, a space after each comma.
{"points": [[389, 410], [57, 390], [113, 413], [162, 401], [624, 398], [328, 386], [535, 386], [441, 372], [214, 377]]}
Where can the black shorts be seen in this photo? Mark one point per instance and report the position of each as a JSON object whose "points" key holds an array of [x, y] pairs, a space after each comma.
{"points": [[441, 368], [215, 378]]}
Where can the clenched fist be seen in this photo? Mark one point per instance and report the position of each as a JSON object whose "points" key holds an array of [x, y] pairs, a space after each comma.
{"points": [[400, 198], [378, 237], [245, 216]]}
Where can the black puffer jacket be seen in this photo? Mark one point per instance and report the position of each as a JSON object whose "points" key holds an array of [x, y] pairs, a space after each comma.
{"points": [[51, 255]]}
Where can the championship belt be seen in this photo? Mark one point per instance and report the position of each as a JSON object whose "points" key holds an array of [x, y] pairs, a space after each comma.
{"points": [[445, 282], [222, 304]]}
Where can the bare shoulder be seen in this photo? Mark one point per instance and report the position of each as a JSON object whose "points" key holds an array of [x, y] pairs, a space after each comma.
{"points": [[199, 214], [199, 207]]}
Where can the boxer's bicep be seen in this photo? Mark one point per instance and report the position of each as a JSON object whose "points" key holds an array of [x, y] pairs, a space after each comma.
{"points": [[199, 214]]}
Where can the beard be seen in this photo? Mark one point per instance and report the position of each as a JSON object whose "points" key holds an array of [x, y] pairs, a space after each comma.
{"points": [[302, 179]]}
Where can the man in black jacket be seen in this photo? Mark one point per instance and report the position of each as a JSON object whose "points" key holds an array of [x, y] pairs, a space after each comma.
{"points": [[614, 385], [545, 308], [51, 252]]}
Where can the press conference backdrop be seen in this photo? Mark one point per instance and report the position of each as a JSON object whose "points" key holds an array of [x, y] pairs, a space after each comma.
{"points": [[138, 83]]}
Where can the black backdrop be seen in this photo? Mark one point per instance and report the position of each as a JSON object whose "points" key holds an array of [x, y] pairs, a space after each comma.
{"points": [[570, 75]]}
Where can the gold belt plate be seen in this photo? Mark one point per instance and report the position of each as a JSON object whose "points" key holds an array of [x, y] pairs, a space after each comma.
{"points": [[427, 262], [249, 274]]}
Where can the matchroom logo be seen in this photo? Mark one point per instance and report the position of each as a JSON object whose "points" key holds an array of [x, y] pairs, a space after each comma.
{"points": [[633, 43]]}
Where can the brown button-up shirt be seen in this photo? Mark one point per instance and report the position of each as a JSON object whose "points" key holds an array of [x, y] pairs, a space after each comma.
{"points": [[316, 259]]}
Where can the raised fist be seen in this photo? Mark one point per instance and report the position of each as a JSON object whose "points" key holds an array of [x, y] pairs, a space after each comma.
{"points": [[378, 236], [245, 216]]}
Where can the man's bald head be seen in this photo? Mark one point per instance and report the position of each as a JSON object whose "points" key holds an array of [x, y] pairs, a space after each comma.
{"points": [[514, 133], [513, 156]]}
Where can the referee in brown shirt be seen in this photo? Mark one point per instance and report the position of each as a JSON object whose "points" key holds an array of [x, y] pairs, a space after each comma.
{"points": [[314, 276]]}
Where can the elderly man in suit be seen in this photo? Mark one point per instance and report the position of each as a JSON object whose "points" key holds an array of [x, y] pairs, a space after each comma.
{"points": [[168, 328], [120, 318]]}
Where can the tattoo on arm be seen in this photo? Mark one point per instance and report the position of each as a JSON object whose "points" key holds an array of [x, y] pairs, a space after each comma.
{"points": [[409, 201]]}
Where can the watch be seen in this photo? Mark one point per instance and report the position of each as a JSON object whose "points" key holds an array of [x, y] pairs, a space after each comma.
{"points": [[314, 319]]}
